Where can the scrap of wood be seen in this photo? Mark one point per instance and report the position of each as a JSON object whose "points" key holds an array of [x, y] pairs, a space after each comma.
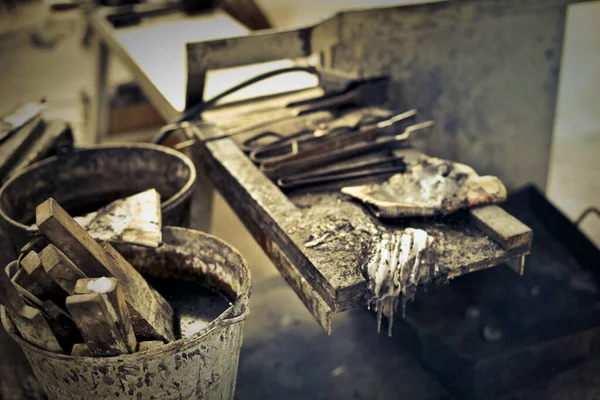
{"points": [[149, 345], [29, 321], [9, 297], [36, 244], [29, 298], [81, 350], [32, 264], [136, 219], [62, 270], [22, 279], [34, 328], [502, 227], [151, 315], [114, 293], [96, 318], [61, 323], [159, 314], [11, 269]]}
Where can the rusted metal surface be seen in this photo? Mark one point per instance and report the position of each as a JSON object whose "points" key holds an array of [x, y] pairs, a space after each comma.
{"points": [[333, 265], [89, 178], [202, 364]]}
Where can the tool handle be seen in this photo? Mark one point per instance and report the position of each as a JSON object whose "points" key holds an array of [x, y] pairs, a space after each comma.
{"points": [[9, 296], [363, 169], [253, 143], [322, 159], [326, 103], [326, 148]]}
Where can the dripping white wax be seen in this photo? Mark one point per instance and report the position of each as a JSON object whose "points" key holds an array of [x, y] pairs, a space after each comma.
{"points": [[388, 265]]}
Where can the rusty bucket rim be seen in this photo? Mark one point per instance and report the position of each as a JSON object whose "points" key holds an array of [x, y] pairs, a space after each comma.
{"points": [[166, 206], [239, 306]]}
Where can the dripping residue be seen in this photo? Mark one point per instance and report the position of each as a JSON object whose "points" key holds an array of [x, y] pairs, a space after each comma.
{"points": [[399, 262]]}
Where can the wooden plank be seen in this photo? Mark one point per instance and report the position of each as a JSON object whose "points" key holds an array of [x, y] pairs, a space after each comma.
{"points": [[97, 320], [34, 328], [11, 269], [9, 296], [59, 321], [62, 324], [113, 291], [151, 315], [162, 313], [36, 244], [502, 227], [32, 264], [68, 236], [62, 270], [29, 298], [29, 321], [22, 279]]}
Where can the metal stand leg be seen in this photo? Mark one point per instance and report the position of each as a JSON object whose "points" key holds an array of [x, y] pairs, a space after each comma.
{"points": [[203, 196], [202, 203], [100, 112]]}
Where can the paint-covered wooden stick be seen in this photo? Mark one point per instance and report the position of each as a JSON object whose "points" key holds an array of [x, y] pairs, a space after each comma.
{"points": [[62, 270], [113, 291], [97, 320], [29, 321], [32, 265], [151, 315]]}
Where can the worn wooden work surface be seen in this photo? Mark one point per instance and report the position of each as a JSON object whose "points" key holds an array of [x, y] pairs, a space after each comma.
{"points": [[328, 277]]}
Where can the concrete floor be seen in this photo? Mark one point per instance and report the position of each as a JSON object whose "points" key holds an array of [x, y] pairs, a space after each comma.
{"points": [[281, 338]]}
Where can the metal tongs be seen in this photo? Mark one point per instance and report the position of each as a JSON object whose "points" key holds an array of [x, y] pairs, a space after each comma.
{"points": [[290, 178], [363, 141], [324, 152]]}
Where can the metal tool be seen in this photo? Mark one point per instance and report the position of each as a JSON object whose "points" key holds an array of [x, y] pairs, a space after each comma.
{"points": [[388, 165], [291, 145], [341, 148], [357, 95]]}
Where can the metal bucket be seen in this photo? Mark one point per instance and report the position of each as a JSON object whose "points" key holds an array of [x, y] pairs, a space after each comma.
{"points": [[89, 178], [203, 365]]}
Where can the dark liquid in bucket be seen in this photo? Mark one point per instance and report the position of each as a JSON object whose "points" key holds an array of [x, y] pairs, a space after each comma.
{"points": [[194, 305]]}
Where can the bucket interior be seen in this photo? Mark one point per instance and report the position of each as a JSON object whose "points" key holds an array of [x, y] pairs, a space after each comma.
{"points": [[198, 274], [88, 179]]}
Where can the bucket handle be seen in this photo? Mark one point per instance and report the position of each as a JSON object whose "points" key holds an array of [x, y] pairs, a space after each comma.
{"points": [[240, 310]]}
